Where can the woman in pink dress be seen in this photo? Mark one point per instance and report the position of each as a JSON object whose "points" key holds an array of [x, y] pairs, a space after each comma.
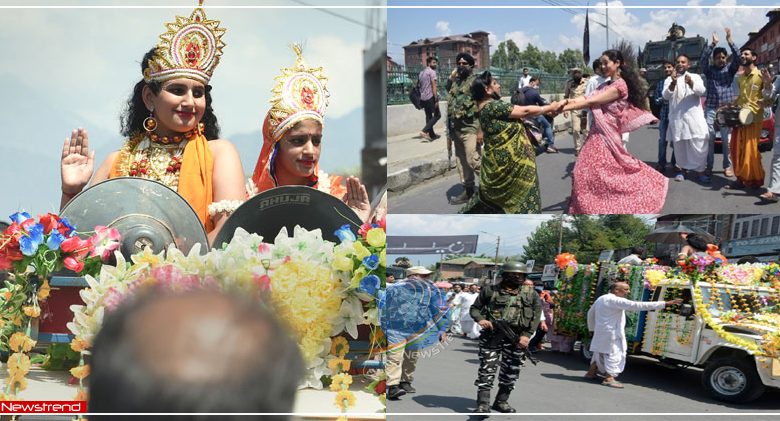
{"points": [[607, 178]]}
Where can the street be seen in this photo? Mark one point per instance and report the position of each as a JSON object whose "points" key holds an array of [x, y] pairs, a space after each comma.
{"points": [[554, 171], [444, 380]]}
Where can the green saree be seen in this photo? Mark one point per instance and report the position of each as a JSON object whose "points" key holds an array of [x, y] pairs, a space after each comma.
{"points": [[507, 181]]}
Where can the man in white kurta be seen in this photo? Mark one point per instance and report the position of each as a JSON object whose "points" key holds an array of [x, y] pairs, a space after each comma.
{"points": [[607, 321], [687, 129]]}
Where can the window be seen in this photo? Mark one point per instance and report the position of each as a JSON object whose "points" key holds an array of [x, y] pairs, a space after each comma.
{"points": [[736, 230], [776, 225], [764, 227], [745, 228], [754, 228]]}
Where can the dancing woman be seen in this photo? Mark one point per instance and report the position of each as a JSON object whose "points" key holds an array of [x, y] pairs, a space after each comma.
{"points": [[508, 182], [292, 138], [173, 135], [607, 178]]}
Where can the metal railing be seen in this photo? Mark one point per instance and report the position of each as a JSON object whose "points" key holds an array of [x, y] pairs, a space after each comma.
{"points": [[400, 82]]}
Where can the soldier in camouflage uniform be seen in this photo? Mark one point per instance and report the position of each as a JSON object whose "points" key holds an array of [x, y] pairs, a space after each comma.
{"points": [[463, 126], [521, 307]]}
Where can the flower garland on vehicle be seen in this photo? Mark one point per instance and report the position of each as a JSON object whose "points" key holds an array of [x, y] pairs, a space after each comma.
{"points": [[31, 250]]}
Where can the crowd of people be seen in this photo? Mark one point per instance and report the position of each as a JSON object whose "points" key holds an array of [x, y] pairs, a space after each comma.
{"points": [[491, 137]]}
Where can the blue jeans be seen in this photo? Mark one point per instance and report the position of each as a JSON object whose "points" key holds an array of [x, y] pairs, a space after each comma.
{"points": [[725, 133], [546, 128]]}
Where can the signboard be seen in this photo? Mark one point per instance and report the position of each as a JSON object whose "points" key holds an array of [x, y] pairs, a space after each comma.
{"points": [[606, 255], [753, 246], [530, 265], [550, 272], [442, 244]]}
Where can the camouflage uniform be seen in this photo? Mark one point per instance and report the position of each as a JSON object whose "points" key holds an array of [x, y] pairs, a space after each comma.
{"points": [[523, 310]]}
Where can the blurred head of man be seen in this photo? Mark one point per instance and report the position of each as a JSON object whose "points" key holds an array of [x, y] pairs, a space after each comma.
{"points": [[196, 352], [389, 278], [534, 82], [621, 289], [668, 68], [432, 62], [682, 63], [747, 57], [525, 71], [719, 57], [576, 74]]}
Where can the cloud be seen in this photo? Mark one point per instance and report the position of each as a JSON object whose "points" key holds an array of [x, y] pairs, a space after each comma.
{"points": [[443, 28], [697, 21], [340, 59], [522, 39], [493, 40]]}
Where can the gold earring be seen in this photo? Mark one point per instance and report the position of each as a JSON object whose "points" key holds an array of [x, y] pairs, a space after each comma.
{"points": [[150, 123]]}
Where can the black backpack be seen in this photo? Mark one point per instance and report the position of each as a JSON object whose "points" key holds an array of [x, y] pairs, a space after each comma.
{"points": [[415, 96]]}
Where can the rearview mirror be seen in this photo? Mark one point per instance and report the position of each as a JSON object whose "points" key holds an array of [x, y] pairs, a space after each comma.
{"points": [[686, 310]]}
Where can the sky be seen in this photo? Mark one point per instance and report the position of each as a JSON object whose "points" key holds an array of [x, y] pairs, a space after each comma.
{"points": [[513, 229], [64, 68], [562, 27]]}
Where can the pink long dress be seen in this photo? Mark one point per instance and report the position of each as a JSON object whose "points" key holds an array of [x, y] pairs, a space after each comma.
{"points": [[607, 178]]}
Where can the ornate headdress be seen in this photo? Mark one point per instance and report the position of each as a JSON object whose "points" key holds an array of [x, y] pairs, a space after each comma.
{"points": [[299, 94], [190, 48]]}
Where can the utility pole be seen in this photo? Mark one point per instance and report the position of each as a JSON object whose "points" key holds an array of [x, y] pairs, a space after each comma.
{"points": [[560, 234], [495, 267], [607, 26]]}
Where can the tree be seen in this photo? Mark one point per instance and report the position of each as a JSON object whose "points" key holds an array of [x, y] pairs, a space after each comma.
{"points": [[572, 58], [586, 236], [513, 55], [499, 58]]}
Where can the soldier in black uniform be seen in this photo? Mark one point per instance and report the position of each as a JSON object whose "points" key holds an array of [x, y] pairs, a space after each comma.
{"points": [[521, 308]]}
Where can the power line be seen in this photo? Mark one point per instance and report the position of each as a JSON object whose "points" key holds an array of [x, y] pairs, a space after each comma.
{"points": [[340, 16]]}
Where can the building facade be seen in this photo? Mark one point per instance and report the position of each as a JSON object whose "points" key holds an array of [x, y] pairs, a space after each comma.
{"points": [[766, 42], [467, 267], [445, 49], [753, 235], [717, 225]]}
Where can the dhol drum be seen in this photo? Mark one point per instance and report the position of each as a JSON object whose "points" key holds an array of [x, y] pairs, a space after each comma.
{"points": [[733, 116]]}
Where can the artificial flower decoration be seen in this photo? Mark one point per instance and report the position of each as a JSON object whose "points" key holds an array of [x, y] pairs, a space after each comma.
{"points": [[565, 259]]}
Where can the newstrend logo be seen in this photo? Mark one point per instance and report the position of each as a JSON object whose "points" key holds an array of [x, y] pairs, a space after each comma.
{"points": [[43, 407], [284, 199]]}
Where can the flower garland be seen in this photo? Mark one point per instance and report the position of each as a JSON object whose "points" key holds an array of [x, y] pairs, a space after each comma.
{"points": [[312, 288], [31, 250]]}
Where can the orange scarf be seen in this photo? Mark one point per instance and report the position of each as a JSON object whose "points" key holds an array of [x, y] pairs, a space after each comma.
{"points": [[266, 168], [195, 177]]}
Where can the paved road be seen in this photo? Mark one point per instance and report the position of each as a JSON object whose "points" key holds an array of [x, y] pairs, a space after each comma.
{"points": [[445, 384], [555, 171]]}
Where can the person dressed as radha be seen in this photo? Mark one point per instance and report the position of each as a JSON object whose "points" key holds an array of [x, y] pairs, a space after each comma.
{"points": [[173, 135], [607, 178], [292, 138]]}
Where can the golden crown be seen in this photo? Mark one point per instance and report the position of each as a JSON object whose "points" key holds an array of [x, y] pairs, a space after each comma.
{"points": [[191, 48], [299, 94]]}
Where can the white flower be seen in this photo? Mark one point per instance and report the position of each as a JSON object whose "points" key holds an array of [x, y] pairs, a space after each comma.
{"points": [[349, 317]]}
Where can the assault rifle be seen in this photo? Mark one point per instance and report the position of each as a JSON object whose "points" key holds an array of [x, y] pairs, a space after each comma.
{"points": [[503, 329]]}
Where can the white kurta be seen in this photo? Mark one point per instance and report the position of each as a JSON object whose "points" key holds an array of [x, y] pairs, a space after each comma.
{"points": [[607, 321], [468, 325], [687, 129]]}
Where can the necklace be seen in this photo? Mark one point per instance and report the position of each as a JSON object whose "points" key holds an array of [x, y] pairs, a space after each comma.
{"points": [[141, 157], [166, 140]]}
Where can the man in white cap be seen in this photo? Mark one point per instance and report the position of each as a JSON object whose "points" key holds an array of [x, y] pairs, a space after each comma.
{"points": [[409, 327]]}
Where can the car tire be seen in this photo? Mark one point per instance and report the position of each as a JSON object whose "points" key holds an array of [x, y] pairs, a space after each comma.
{"points": [[733, 380]]}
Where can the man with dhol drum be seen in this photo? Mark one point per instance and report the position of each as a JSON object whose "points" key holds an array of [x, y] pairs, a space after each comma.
{"points": [[745, 157], [687, 125], [720, 91]]}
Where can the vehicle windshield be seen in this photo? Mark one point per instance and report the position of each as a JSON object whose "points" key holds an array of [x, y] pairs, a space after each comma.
{"points": [[655, 53], [746, 301]]}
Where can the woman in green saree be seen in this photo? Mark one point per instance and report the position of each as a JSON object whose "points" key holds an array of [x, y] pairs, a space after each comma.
{"points": [[507, 181]]}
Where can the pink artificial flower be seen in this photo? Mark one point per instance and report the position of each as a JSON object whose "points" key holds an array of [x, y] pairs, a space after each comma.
{"points": [[263, 248], [382, 223], [73, 263], [173, 279], [112, 298], [263, 282], [105, 241], [363, 231], [75, 250]]}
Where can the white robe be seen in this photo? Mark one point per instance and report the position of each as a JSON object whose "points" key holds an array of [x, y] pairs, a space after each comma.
{"points": [[687, 129], [607, 321], [469, 327]]}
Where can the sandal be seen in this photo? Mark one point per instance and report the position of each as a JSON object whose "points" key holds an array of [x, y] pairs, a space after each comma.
{"points": [[769, 197], [735, 185], [614, 383]]}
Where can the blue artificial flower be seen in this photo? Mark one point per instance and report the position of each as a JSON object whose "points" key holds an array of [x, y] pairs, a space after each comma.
{"points": [[345, 233], [369, 284], [381, 298], [29, 242], [20, 217], [71, 229], [54, 241], [371, 262]]}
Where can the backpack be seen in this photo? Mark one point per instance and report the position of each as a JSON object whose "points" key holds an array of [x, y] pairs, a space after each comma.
{"points": [[415, 96]]}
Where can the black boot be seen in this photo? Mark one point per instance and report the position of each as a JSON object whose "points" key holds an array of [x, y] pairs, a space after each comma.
{"points": [[394, 392], [463, 197], [501, 404], [407, 387], [483, 402]]}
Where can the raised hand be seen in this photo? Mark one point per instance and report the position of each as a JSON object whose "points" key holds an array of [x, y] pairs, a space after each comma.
{"points": [[357, 198], [77, 162], [714, 38], [766, 77], [728, 35], [688, 80]]}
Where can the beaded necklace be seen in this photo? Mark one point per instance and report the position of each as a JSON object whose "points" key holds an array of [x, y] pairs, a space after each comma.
{"points": [[146, 158]]}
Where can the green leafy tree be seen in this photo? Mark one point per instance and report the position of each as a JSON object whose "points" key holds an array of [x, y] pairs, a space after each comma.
{"points": [[499, 58], [571, 58]]}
